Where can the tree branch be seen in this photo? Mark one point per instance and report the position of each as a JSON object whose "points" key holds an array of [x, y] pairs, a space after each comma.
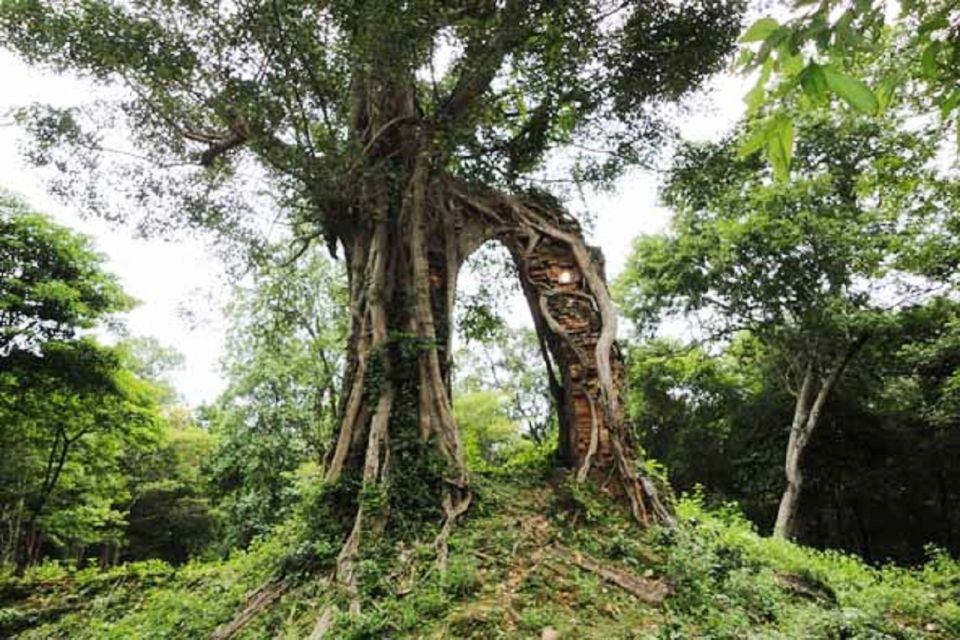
{"points": [[219, 147], [482, 59]]}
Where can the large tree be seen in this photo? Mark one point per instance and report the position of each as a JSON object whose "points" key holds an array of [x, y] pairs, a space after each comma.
{"points": [[284, 363], [69, 407], [409, 133], [814, 268]]}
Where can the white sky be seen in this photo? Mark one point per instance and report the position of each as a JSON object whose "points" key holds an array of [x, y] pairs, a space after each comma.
{"points": [[168, 276]]}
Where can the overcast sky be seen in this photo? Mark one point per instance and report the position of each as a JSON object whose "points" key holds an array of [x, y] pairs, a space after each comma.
{"points": [[170, 276]]}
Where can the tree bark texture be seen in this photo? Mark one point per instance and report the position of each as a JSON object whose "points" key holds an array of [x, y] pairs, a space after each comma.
{"points": [[812, 398], [407, 230], [403, 270]]}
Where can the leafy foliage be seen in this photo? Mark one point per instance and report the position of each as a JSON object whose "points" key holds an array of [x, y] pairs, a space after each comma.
{"points": [[507, 363], [803, 263], [842, 279], [71, 413], [285, 365], [884, 455], [84, 424], [490, 437], [729, 582], [869, 55], [51, 280], [814, 268], [167, 486], [218, 92]]}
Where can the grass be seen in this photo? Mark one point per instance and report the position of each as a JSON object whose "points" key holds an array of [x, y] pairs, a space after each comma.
{"points": [[512, 574]]}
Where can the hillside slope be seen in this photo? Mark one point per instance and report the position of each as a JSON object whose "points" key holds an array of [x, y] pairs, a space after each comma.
{"points": [[535, 559]]}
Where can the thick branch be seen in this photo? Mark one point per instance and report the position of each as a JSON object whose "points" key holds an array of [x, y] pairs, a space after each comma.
{"points": [[222, 146], [482, 59], [831, 382]]}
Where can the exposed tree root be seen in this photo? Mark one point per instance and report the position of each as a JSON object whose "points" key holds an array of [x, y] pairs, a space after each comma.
{"points": [[561, 274], [807, 587], [401, 299], [456, 501], [376, 451], [649, 591], [324, 623], [403, 272], [258, 600]]}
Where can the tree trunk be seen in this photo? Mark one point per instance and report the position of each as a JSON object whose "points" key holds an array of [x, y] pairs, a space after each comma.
{"points": [[402, 268], [406, 234], [785, 526], [811, 402], [403, 255], [56, 460]]}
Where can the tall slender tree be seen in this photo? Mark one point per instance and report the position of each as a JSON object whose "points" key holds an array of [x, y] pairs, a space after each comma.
{"points": [[61, 395], [814, 268]]}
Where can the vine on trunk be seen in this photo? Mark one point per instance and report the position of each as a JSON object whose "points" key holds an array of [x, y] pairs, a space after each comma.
{"points": [[403, 269], [563, 278]]}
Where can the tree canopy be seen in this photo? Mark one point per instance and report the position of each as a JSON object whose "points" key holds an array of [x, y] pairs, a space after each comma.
{"points": [[815, 268], [293, 87], [380, 455], [71, 407], [52, 283], [814, 255], [284, 364]]}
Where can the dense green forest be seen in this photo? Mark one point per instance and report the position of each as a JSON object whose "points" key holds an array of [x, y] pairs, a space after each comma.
{"points": [[752, 431]]}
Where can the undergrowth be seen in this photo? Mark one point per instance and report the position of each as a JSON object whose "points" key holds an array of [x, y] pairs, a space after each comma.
{"points": [[512, 573]]}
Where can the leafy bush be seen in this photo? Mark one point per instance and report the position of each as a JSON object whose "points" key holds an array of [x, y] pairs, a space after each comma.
{"points": [[731, 582], [507, 576]]}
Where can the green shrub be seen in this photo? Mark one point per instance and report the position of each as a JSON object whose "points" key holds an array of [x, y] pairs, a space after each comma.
{"points": [[731, 582]]}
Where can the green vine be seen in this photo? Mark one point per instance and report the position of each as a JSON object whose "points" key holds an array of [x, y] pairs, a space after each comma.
{"points": [[375, 376]]}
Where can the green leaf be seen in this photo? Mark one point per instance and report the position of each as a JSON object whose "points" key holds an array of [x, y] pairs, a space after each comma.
{"points": [[935, 23], [792, 65], [755, 97], [949, 103], [928, 60], [760, 30], [854, 92], [814, 82], [842, 32], [780, 146], [780, 39], [753, 143], [885, 92]]}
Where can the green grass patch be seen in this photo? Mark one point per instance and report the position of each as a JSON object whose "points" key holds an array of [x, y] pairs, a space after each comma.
{"points": [[506, 579]]}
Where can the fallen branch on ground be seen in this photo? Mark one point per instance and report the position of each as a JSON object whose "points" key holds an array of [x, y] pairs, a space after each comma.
{"points": [[261, 598], [650, 591]]}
